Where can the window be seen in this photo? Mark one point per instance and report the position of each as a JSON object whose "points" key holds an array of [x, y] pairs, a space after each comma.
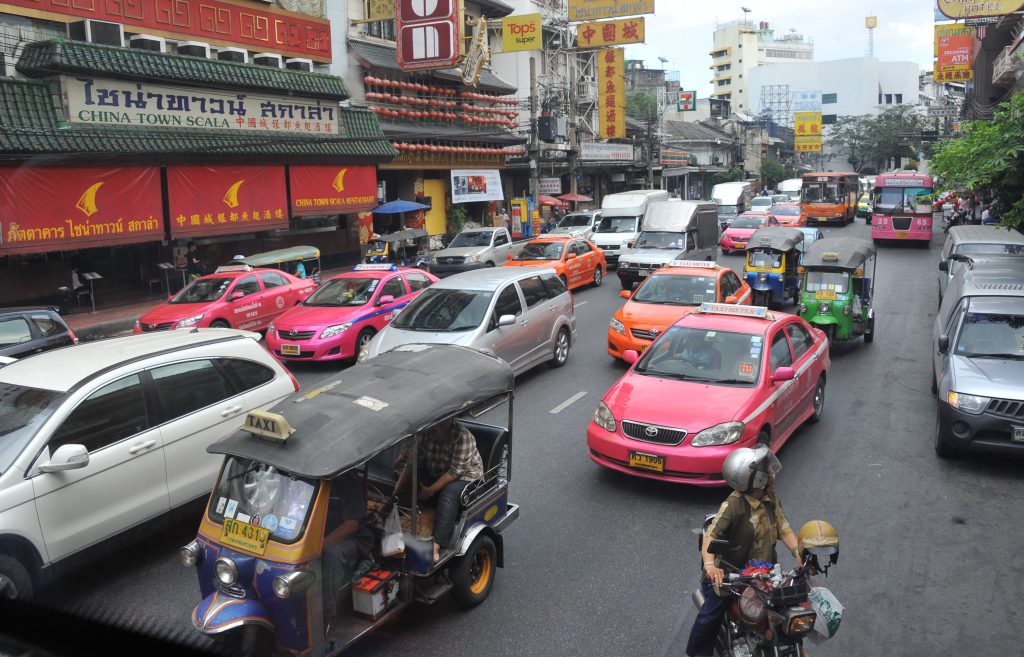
{"points": [[14, 331], [246, 374], [533, 291], [47, 325], [500, 239], [723, 83], [899, 99], [272, 279], [574, 248], [888, 99], [187, 387], [247, 286], [800, 338], [395, 287], [417, 282], [780, 356], [829, 99], [828, 119], [554, 286], [879, 97], [114, 412], [508, 303], [584, 248]]}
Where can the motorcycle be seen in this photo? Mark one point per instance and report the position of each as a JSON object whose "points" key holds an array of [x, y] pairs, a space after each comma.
{"points": [[954, 218]]}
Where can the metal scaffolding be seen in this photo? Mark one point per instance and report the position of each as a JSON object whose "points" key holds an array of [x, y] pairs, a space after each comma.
{"points": [[776, 105]]}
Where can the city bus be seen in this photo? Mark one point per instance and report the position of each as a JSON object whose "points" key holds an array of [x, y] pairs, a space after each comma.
{"points": [[895, 213], [829, 197]]}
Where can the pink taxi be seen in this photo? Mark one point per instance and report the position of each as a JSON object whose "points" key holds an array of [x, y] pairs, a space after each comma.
{"points": [[721, 378], [345, 313], [236, 296], [734, 238]]}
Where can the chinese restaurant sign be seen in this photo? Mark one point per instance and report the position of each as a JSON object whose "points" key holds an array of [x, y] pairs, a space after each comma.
{"points": [[610, 33], [113, 102], [429, 34], [974, 8], [216, 200], [611, 88], [61, 209], [521, 33], [324, 189], [954, 50], [807, 132], [216, 21], [588, 10]]}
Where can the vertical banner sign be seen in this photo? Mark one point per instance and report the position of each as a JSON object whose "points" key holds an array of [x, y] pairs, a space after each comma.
{"points": [[954, 50], [592, 10], [365, 227], [521, 33], [687, 101], [611, 80], [610, 33], [429, 34], [222, 199], [807, 131]]}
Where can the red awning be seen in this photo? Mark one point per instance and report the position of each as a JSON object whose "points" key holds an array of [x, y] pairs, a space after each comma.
{"points": [[62, 209], [225, 199], [319, 190]]}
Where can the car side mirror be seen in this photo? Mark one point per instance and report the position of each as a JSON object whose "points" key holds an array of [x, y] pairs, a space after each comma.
{"points": [[506, 320], [385, 299], [944, 265], [508, 256], [783, 374], [718, 546], [731, 299], [67, 457], [626, 294], [943, 344], [630, 356], [236, 295]]}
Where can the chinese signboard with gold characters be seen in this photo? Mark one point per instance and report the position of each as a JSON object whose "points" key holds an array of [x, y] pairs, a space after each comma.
{"points": [[589, 10], [521, 33], [611, 81], [807, 131], [610, 33]]}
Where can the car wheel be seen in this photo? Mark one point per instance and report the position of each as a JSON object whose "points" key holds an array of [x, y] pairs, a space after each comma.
{"points": [[561, 351], [598, 276], [942, 448], [830, 334], [15, 582], [363, 339], [869, 334], [489, 264], [473, 575], [819, 401], [219, 323], [935, 384]]}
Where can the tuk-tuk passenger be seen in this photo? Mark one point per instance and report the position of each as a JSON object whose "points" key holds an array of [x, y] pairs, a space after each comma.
{"points": [[300, 269], [448, 461], [348, 540]]}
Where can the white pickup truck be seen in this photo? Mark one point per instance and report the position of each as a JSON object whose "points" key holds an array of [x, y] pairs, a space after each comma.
{"points": [[475, 248]]}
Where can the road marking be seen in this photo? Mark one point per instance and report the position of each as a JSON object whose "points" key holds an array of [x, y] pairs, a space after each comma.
{"points": [[582, 303], [568, 402]]}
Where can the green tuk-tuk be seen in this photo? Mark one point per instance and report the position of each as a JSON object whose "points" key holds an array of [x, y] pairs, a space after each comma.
{"points": [[838, 288], [301, 261]]}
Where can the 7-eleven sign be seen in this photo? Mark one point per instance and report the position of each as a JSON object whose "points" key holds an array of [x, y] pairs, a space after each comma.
{"points": [[687, 101]]}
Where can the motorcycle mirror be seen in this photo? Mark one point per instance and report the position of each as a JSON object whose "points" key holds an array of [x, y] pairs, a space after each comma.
{"points": [[718, 546]]}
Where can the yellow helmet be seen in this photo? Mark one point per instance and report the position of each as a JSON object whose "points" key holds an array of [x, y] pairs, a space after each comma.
{"points": [[818, 538]]}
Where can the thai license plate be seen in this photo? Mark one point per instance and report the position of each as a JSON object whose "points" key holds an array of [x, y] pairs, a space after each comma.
{"points": [[647, 461], [244, 536], [901, 233], [760, 269], [741, 245], [1018, 434], [645, 272], [821, 220], [290, 349], [825, 295]]}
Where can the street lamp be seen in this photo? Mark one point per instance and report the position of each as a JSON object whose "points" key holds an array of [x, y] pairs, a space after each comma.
{"points": [[745, 12]]}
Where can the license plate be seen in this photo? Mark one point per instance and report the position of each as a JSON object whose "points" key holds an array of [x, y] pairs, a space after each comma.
{"points": [[741, 245], [290, 349], [645, 272], [825, 295], [760, 269], [647, 461], [1018, 434], [901, 234], [244, 536]]}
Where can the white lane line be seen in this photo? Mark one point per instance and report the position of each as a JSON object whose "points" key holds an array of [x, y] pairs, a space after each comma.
{"points": [[568, 402], [581, 303]]}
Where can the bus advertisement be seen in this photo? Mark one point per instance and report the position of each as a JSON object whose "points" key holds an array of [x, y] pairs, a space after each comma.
{"points": [[829, 197], [895, 212]]}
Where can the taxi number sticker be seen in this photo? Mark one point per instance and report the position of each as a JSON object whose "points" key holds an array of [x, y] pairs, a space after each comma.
{"points": [[644, 461], [244, 536], [825, 295], [290, 349], [746, 369]]}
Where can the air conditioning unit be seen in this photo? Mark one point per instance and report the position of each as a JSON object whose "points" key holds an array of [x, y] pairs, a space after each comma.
{"points": [[194, 49], [102, 32], [270, 59], [299, 64], [238, 55], [148, 42]]}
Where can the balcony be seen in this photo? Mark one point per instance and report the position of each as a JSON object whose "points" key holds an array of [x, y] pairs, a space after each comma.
{"points": [[586, 90], [1004, 69]]}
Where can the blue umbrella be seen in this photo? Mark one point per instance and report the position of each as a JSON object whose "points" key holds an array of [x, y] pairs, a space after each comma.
{"points": [[399, 206]]}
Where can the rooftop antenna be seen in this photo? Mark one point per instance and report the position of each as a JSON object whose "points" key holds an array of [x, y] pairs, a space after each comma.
{"points": [[871, 22]]}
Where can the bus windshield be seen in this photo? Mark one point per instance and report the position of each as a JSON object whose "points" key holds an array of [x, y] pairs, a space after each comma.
{"points": [[898, 199], [823, 192]]}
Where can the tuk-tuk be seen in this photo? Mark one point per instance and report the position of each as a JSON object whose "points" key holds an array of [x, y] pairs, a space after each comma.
{"points": [[289, 260], [406, 248], [839, 286], [259, 549], [773, 255]]}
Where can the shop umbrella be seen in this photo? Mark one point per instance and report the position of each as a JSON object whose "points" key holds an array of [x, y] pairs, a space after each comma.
{"points": [[399, 206], [552, 201], [575, 198]]}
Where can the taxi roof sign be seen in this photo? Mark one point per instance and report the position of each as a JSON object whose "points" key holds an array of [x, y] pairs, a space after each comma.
{"points": [[760, 312], [228, 268], [703, 264], [271, 426], [375, 267]]}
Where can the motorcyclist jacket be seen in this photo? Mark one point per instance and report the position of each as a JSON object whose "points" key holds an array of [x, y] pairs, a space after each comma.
{"points": [[752, 526]]}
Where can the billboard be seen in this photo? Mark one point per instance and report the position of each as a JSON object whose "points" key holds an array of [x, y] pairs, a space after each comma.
{"points": [[973, 8], [595, 152], [589, 10], [954, 50], [474, 185], [319, 189], [521, 33], [429, 34], [807, 132], [610, 33], [611, 87], [687, 101]]}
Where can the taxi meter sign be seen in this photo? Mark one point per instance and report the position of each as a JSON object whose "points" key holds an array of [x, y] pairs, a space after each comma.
{"points": [[271, 426], [429, 34], [702, 264], [760, 312]]}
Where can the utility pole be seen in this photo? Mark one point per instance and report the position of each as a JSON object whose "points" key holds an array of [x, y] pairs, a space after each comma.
{"points": [[650, 151], [534, 137]]}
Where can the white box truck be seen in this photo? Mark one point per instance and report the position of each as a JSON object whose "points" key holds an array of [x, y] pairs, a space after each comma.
{"points": [[621, 219]]}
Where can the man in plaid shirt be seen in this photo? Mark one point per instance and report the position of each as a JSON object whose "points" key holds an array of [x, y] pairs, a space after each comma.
{"points": [[446, 456]]}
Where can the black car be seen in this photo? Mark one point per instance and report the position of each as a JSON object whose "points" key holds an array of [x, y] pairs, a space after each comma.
{"points": [[26, 331]]}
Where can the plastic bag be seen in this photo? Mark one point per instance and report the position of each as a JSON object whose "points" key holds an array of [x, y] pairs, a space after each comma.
{"points": [[393, 542], [828, 610]]}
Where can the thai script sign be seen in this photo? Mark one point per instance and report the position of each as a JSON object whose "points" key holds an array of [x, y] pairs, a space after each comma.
{"points": [[807, 132], [586, 10], [610, 33], [611, 89], [954, 50], [595, 152], [223, 199], [806, 101]]}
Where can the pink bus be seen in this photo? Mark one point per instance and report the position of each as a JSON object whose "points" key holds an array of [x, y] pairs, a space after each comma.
{"points": [[895, 212]]}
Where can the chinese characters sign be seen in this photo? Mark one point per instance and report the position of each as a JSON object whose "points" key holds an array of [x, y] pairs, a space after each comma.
{"points": [[114, 102], [324, 189], [611, 81], [588, 10], [429, 34], [226, 199], [521, 33], [78, 208], [216, 21], [806, 101], [610, 33], [807, 131], [973, 8], [954, 50]]}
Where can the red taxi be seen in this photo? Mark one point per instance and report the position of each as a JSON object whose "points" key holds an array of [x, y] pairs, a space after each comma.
{"points": [[236, 296], [720, 378], [345, 313], [667, 295], [734, 238], [789, 214], [576, 260]]}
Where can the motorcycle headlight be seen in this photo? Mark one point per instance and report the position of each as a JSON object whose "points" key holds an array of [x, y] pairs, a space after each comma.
{"points": [[617, 326], [225, 571], [190, 321], [332, 331], [823, 308], [190, 554], [762, 277], [972, 404], [270, 329], [720, 434], [603, 417], [800, 624]]}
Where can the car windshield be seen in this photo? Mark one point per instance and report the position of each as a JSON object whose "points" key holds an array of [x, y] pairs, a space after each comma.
{"points": [[470, 240], [748, 222], [22, 411], [818, 280], [203, 291], [992, 335], [897, 199], [264, 496], [675, 290], [990, 249], [574, 220], [704, 355], [541, 251], [727, 209], [771, 259], [618, 225], [439, 309], [786, 211], [761, 201], [343, 292], [661, 240]]}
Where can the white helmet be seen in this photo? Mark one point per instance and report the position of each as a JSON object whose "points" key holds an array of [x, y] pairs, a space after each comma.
{"points": [[747, 469]]}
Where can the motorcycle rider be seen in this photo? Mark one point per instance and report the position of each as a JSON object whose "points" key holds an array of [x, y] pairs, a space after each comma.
{"points": [[752, 520]]}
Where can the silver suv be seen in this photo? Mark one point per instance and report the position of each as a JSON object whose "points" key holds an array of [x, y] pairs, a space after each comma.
{"points": [[525, 316], [974, 242]]}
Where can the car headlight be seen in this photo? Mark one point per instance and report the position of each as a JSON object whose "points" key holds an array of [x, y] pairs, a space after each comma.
{"points": [[225, 571], [972, 404], [617, 326], [332, 331], [603, 417], [720, 434], [296, 582], [190, 554], [191, 321], [472, 258], [271, 329]]}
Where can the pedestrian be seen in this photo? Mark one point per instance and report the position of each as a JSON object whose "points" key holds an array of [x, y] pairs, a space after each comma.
{"points": [[195, 262], [502, 218]]}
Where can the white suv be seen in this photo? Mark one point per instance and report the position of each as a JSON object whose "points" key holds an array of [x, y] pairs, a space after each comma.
{"points": [[110, 436]]}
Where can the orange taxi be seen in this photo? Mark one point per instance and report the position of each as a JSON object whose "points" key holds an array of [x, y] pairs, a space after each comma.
{"points": [[578, 261], [666, 296], [789, 214]]}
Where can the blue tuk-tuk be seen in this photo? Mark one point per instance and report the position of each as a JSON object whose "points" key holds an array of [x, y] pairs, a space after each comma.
{"points": [[771, 268]]}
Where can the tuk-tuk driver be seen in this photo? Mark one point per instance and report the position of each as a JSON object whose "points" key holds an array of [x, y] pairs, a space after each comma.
{"points": [[348, 540], [300, 269]]}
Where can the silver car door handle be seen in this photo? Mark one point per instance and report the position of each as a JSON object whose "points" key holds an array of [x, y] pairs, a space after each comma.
{"points": [[524, 322], [230, 410], [141, 447]]}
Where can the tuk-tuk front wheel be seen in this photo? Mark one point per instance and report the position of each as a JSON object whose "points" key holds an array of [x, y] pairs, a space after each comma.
{"points": [[473, 575]]}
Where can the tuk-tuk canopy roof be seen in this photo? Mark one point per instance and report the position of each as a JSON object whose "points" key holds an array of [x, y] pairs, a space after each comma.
{"points": [[838, 252], [291, 254], [408, 234], [372, 406], [777, 238]]}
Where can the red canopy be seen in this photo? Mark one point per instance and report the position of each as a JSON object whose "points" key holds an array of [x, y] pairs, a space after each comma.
{"points": [[552, 201], [575, 198]]}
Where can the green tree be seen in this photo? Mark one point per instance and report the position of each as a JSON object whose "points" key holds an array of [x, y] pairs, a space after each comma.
{"points": [[774, 172], [873, 140], [641, 106], [732, 175]]}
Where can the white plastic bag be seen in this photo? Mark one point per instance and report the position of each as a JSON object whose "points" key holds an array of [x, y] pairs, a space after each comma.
{"points": [[393, 542], [828, 610]]}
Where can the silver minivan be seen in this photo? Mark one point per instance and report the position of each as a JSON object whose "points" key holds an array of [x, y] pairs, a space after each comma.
{"points": [[524, 315], [973, 242]]}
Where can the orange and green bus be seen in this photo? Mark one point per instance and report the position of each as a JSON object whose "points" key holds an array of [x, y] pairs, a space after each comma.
{"points": [[829, 197]]}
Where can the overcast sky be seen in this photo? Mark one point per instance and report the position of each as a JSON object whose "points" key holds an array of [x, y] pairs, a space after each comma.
{"points": [[682, 31]]}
